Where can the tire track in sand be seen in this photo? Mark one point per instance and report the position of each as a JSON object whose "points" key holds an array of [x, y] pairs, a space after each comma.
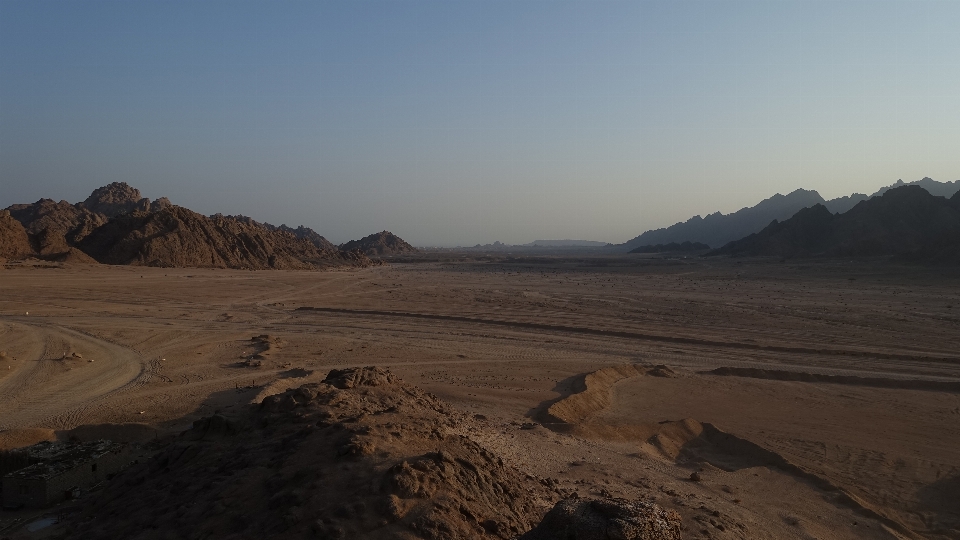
{"points": [[58, 393], [638, 335]]}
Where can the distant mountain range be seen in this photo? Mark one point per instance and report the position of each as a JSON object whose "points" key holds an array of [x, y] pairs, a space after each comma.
{"points": [[115, 225], [718, 229], [564, 243], [905, 222], [673, 247]]}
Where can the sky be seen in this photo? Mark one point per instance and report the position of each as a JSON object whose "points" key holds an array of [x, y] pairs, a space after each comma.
{"points": [[460, 122]]}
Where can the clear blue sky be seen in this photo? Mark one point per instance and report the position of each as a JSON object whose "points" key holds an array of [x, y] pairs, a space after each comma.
{"points": [[458, 122]]}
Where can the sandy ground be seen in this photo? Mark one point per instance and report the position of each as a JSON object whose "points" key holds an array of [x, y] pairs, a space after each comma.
{"points": [[504, 338]]}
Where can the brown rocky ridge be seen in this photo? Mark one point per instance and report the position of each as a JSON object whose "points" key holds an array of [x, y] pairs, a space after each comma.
{"points": [[55, 228], [178, 237], [380, 244], [116, 225], [300, 232], [359, 455]]}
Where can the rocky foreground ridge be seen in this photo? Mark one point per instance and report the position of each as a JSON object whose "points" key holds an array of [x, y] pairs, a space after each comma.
{"points": [[116, 225], [359, 455]]}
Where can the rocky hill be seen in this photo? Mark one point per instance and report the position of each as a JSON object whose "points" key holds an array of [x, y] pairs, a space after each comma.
{"points": [[178, 237], [14, 242], [380, 244], [905, 222], [359, 455], [55, 228], [116, 225]]}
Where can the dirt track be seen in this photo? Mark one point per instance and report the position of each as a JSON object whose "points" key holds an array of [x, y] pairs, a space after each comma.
{"points": [[53, 389]]}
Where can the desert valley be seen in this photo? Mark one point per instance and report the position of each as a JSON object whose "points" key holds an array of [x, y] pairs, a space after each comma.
{"points": [[263, 382]]}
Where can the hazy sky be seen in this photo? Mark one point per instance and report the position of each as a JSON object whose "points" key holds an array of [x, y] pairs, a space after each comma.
{"points": [[463, 122]]}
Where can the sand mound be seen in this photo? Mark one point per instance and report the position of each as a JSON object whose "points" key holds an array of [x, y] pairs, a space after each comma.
{"points": [[381, 243], [591, 395], [71, 255], [687, 442], [14, 242], [797, 376], [177, 237], [591, 519], [361, 455], [691, 442]]}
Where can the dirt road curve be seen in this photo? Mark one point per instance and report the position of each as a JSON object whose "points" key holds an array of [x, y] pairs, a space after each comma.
{"points": [[52, 389]]}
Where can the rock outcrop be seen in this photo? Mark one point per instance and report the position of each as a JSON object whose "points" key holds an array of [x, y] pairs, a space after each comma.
{"points": [[14, 242], [120, 198], [606, 519], [360, 455], [55, 228], [380, 244]]}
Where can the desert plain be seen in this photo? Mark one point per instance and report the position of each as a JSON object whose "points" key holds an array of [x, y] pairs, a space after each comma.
{"points": [[759, 398]]}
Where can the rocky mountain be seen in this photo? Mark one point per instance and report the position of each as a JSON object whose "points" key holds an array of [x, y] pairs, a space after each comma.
{"points": [[14, 242], [718, 229], [905, 222], [940, 189], [119, 198], [379, 244], [178, 237], [116, 225], [842, 204]]}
